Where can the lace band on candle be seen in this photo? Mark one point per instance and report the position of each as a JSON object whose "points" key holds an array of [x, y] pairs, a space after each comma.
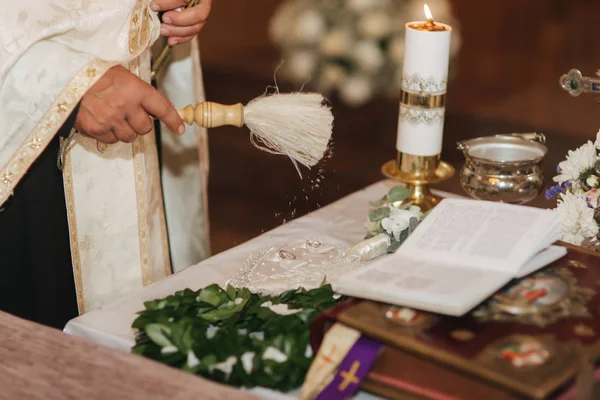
{"points": [[417, 84], [422, 115]]}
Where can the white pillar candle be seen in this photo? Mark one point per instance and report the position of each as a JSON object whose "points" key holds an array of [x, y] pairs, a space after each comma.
{"points": [[424, 80]]}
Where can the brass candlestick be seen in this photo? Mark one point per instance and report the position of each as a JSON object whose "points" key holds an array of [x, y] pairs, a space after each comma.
{"points": [[417, 173]]}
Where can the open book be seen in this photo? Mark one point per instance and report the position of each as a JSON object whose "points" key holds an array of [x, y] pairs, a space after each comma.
{"points": [[462, 252]]}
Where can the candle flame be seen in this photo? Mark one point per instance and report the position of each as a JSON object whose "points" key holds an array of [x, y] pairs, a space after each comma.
{"points": [[427, 12]]}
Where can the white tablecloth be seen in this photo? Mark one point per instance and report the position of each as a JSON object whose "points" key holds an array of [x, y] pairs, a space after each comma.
{"points": [[341, 222]]}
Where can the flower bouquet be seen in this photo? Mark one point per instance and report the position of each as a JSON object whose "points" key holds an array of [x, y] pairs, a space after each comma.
{"points": [[578, 190], [393, 219], [354, 48]]}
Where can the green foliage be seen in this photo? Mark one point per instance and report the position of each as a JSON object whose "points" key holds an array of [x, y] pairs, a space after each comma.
{"points": [[215, 324]]}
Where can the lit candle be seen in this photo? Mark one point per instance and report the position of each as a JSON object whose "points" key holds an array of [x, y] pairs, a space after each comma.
{"points": [[424, 80]]}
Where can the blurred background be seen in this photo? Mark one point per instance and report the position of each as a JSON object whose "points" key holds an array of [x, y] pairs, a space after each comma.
{"points": [[507, 58]]}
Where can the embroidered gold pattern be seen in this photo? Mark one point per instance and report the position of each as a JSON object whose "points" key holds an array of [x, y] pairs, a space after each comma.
{"points": [[463, 335], [62, 107], [139, 31], [73, 235], [140, 191], [51, 121], [91, 72], [583, 330]]}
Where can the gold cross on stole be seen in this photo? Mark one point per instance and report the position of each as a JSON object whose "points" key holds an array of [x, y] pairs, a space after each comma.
{"points": [[349, 376]]}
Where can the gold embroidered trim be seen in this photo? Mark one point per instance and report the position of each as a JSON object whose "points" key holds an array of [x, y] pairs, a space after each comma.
{"points": [[56, 115], [140, 191], [73, 235], [139, 29]]}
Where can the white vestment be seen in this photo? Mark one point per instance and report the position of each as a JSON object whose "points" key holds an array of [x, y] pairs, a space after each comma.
{"points": [[51, 53]]}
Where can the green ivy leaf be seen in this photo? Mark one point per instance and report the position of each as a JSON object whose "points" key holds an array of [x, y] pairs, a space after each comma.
{"points": [[158, 334], [186, 317], [398, 193], [210, 295], [379, 214], [231, 292]]}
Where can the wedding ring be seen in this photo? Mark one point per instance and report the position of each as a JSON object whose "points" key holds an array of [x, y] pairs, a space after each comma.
{"points": [[286, 255]]}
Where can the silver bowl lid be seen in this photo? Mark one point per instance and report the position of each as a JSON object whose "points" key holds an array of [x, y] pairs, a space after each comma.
{"points": [[503, 149]]}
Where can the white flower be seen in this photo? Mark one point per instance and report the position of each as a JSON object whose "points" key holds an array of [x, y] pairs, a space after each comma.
{"points": [[592, 181], [271, 353], [282, 19], [248, 361], [360, 6], [337, 43], [169, 350], [225, 366], [577, 161], [399, 220], [597, 144], [396, 49], [576, 218], [375, 25], [368, 56], [356, 90], [331, 77], [192, 359], [309, 27], [301, 65], [211, 331]]}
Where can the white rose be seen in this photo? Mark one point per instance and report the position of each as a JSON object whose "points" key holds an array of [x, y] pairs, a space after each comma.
{"points": [[309, 27], [368, 56], [597, 144], [592, 181], [301, 65], [375, 25], [356, 90], [336, 43], [396, 49], [399, 220]]}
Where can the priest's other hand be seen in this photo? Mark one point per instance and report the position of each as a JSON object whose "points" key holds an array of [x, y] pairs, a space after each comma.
{"points": [[118, 108], [181, 26]]}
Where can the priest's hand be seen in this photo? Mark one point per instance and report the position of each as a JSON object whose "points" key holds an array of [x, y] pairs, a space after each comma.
{"points": [[118, 108], [181, 26]]}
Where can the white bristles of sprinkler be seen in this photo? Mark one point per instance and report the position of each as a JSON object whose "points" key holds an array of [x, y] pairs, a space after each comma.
{"points": [[297, 125]]}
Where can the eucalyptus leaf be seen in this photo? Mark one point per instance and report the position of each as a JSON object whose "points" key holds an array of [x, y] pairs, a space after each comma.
{"points": [[393, 246], [412, 224], [379, 214], [377, 203], [398, 193]]}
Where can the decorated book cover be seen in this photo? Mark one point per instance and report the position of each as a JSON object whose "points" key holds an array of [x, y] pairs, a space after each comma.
{"points": [[530, 340]]}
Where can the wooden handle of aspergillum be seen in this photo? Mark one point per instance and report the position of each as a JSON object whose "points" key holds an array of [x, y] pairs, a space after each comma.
{"points": [[211, 115]]}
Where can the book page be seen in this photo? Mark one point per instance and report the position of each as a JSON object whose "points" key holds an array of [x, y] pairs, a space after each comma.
{"points": [[420, 284], [480, 234]]}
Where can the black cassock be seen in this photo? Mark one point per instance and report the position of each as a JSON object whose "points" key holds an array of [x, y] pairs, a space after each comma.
{"points": [[36, 271]]}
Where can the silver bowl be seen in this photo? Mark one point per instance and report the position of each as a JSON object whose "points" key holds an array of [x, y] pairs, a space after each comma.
{"points": [[504, 168]]}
